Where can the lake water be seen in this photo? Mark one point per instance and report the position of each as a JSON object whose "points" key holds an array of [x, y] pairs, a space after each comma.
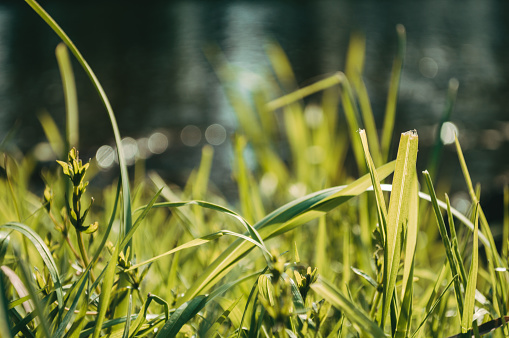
{"points": [[150, 60]]}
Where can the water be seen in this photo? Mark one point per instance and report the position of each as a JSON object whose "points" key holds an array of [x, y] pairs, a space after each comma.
{"points": [[150, 61]]}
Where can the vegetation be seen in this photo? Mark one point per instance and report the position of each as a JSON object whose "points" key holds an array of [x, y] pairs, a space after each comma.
{"points": [[338, 256]]}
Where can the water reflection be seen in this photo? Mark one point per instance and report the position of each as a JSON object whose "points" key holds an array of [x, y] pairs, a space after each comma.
{"points": [[169, 102]]}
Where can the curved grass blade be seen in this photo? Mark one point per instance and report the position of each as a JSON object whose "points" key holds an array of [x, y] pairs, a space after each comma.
{"points": [[251, 230], [126, 196], [197, 242], [280, 221], [45, 255], [351, 311], [42, 327]]}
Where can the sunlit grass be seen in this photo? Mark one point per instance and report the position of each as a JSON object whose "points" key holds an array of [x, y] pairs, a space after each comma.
{"points": [[316, 245]]}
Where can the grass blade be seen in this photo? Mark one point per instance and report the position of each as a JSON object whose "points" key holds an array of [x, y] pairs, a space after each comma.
{"points": [[468, 310], [70, 95], [446, 241], [351, 311], [44, 252], [4, 310], [70, 313], [280, 221]]}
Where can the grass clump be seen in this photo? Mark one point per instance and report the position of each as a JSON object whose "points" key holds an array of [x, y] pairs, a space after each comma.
{"points": [[337, 256]]}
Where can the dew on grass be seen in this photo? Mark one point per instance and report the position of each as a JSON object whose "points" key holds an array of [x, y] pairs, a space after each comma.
{"points": [[191, 135], [215, 134], [105, 157]]}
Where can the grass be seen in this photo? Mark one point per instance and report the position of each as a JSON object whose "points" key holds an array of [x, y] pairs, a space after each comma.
{"points": [[320, 246]]}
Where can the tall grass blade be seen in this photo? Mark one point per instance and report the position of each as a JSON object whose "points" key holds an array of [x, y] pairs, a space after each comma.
{"points": [[505, 231], [351, 311], [71, 97], [43, 323], [280, 221], [353, 120], [446, 241], [405, 315], [468, 310], [4, 310], [433, 307], [70, 312], [499, 286], [375, 181], [392, 97], [398, 213], [126, 196], [212, 330]]}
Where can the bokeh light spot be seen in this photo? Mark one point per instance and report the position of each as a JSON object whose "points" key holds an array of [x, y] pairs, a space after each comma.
{"points": [[190, 135], [428, 67], [215, 134], [105, 157], [158, 143], [447, 132]]}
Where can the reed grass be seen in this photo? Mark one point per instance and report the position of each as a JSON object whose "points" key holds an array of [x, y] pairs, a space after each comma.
{"points": [[320, 247]]}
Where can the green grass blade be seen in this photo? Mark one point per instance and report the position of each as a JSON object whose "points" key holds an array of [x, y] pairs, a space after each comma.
{"points": [[468, 309], [331, 294], [454, 243], [70, 95], [352, 119], [126, 196], [44, 252], [280, 221], [250, 229], [505, 231], [70, 313], [433, 307], [398, 213], [4, 310], [212, 330], [106, 290], [375, 181], [446, 241], [392, 97], [405, 315], [305, 91], [42, 327]]}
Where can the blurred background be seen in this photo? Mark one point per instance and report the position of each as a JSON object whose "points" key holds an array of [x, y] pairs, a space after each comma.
{"points": [[169, 102]]}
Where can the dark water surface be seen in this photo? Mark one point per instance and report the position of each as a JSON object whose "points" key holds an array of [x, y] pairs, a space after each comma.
{"points": [[149, 58]]}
